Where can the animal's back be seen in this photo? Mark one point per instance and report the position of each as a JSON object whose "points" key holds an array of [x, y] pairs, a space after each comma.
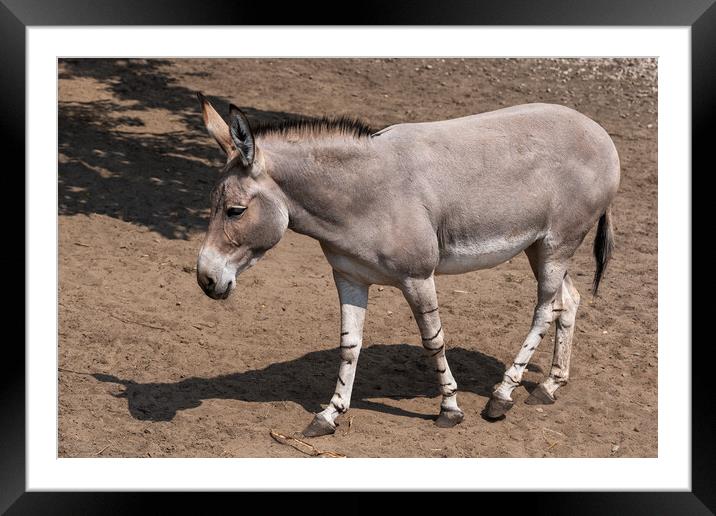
{"points": [[505, 141], [496, 182]]}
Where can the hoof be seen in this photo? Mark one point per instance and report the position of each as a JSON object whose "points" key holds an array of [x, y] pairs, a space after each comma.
{"points": [[319, 426], [449, 418], [496, 408], [540, 396]]}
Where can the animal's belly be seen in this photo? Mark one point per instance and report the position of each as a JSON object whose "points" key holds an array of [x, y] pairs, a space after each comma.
{"points": [[466, 256]]}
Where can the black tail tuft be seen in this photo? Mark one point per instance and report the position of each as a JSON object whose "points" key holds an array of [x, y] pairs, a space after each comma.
{"points": [[603, 247]]}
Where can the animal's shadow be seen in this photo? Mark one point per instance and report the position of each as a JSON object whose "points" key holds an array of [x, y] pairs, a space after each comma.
{"points": [[395, 371], [111, 164]]}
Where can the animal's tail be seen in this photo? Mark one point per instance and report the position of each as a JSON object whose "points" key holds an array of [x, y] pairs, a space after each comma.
{"points": [[603, 247]]}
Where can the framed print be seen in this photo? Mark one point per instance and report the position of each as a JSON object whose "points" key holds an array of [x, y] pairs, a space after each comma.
{"points": [[272, 239]]}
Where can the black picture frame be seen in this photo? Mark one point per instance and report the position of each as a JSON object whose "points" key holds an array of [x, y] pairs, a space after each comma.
{"points": [[700, 15]]}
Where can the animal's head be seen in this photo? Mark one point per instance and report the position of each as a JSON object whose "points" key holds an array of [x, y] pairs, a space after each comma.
{"points": [[248, 212]]}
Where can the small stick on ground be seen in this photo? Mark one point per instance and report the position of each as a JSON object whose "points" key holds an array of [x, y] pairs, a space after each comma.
{"points": [[202, 325], [303, 446], [82, 245], [64, 370], [553, 431], [139, 323], [551, 444], [100, 452], [135, 322]]}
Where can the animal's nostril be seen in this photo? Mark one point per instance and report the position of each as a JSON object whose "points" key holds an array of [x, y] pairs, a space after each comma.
{"points": [[205, 281]]}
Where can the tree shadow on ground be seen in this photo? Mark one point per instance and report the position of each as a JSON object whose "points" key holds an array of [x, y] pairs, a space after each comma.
{"points": [[397, 371], [109, 165]]}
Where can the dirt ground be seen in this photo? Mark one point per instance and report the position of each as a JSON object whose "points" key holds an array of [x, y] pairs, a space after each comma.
{"points": [[151, 367]]}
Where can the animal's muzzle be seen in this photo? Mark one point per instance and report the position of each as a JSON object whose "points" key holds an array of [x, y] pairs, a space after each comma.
{"points": [[210, 286]]}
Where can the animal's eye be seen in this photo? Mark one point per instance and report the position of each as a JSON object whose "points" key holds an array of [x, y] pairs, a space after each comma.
{"points": [[235, 211]]}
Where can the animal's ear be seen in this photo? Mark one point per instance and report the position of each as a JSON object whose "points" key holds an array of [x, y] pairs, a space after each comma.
{"points": [[216, 125], [241, 135]]}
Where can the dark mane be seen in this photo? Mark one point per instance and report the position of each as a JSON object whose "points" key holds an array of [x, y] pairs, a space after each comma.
{"points": [[343, 125]]}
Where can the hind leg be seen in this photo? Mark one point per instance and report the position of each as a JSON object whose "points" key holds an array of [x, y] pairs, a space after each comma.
{"points": [[550, 272], [565, 304]]}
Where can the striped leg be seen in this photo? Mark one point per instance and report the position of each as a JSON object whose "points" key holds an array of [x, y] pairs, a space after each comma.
{"points": [[566, 303], [354, 299], [423, 301], [550, 276]]}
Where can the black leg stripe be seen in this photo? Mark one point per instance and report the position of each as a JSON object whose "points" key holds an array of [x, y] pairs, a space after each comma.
{"points": [[343, 334], [434, 336], [341, 380], [339, 409], [429, 311], [437, 351], [349, 347], [441, 371]]}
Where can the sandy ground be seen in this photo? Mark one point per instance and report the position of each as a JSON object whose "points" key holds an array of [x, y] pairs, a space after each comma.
{"points": [[151, 367]]}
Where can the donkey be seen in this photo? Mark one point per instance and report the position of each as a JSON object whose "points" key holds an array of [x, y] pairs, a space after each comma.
{"points": [[399, 206]]}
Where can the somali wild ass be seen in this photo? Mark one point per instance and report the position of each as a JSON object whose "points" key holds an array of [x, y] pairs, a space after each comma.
{"points": [[401, 205]]}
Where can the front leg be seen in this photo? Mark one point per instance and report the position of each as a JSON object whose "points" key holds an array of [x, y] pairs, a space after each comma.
{"points": [[423, 301], [354, 299]]}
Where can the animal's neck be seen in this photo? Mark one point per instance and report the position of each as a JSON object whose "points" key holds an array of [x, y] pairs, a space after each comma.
{"points": [[320, 179]]}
